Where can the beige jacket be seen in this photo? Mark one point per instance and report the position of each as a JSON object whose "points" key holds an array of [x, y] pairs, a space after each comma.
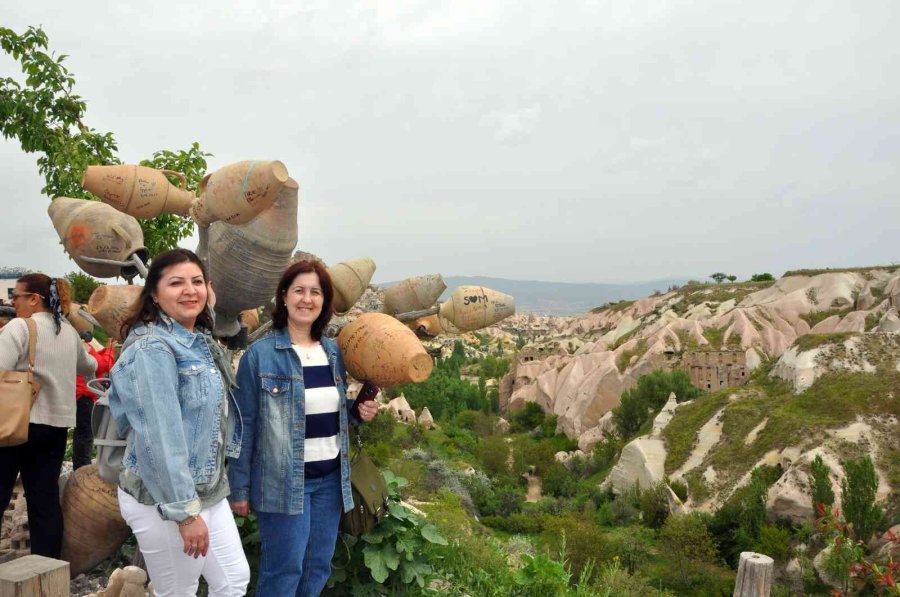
{"points": [[57, 360]]}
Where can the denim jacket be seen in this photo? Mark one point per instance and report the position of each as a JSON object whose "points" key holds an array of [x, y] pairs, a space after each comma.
{"points": [[270, 394], [166, 399]]}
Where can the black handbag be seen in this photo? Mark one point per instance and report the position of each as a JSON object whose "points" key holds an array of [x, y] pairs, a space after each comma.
{"points": [[370, 496]]}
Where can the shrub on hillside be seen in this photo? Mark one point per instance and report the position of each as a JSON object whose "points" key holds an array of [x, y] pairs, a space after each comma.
{"points": [[614, 579], [493, 452], [679, 488], [640, 404], [558, 481], [530, 417], [775, 542], [685, 538], [654, 503], [582, 539], [605, 452], [529, 524]]}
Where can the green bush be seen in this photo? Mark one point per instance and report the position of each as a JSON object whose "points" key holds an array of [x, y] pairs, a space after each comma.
{"points": [[558, 481], [679, 488], [858, 497], [640, 404], [493, 452], [529, 524], [775, 542], [605, 452], [582, 539], [685, 538], [616, 581], [530, 417], [654, 503]]}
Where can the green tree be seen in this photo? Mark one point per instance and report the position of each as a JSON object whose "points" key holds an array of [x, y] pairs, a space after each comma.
{"points": [[82, 286], [641, 403], [858, 497], [732, 278], [719, 277], [821, 483], [45, 115], [765, 277]]}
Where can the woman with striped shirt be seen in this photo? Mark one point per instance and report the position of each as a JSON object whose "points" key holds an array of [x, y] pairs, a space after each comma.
{"points": [[294, 468]]}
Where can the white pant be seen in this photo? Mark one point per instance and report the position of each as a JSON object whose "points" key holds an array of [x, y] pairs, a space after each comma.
{"points": [[173, 572]]}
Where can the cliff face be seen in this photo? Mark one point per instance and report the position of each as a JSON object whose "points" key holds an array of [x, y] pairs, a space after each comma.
{"points": [[579, 368]]}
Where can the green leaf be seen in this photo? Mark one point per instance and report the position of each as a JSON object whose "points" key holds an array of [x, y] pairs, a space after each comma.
{"points": [[431, 534], [374, 561]]}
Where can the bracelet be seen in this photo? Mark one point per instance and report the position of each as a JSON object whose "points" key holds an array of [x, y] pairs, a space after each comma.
{"points": [[187, 521]]}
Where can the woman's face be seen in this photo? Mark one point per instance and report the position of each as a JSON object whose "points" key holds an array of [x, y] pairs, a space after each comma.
{"points": [[304, 299], [26, 303], [181, 293]]}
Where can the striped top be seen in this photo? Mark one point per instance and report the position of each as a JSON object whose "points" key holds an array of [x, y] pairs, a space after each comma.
{"points": [[322, 445]]}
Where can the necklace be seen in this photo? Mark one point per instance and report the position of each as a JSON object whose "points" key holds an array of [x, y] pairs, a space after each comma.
{"points": [[308, 351]]}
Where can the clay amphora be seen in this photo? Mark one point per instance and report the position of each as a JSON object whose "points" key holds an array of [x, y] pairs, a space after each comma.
{"points": [[138, 191], [238, 192], [413, 294], [350, 279], [246, 262], [429, 325], [250, 318], [94, 229], [475, 307], [111, 305], [78, 322], [378, 348], [93, 528]]}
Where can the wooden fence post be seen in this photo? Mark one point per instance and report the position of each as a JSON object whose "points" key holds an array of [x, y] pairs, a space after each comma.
{"points": [[34, 576], [754, 575]]}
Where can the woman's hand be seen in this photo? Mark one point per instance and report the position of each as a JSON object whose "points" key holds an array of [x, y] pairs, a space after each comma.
{"points": [[240, 508], [368, 410], [196, 537]]}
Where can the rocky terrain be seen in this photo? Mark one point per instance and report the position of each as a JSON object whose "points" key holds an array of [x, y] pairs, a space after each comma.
{"points": [[795, 332]]}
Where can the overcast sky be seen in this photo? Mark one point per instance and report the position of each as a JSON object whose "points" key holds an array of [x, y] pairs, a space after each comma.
{"points": [[567, 141]]}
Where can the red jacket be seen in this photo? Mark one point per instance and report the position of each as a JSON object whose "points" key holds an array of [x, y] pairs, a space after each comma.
{"points": [[105, 359]]}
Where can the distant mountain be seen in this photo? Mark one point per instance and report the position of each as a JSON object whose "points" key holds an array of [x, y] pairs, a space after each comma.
{"points": [[559, 298]]}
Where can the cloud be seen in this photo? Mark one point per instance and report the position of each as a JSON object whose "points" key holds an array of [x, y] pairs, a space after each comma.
{"points": [[513, 126]]}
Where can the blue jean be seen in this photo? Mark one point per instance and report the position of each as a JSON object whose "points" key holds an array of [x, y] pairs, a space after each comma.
{"points": [[297, 548]]}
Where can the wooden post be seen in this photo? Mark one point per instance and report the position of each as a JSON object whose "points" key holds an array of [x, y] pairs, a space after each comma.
{"points": [[754, 575], [34, 576]]}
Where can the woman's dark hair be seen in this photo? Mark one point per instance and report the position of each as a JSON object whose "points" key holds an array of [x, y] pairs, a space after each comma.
{"points": [[146, 311], [280, 315], [55, 293]]}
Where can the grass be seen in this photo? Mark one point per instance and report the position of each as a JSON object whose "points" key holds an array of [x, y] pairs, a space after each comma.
{"points": [[625, 338], [613, 307], [716, 339], [838, 270], [681, 433], [872, 320], [810, 341], [639, 350], [815, 317], [695, 294]]}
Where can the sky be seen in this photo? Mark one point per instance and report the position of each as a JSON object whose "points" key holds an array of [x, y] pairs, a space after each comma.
{"points": [[576, 141]]}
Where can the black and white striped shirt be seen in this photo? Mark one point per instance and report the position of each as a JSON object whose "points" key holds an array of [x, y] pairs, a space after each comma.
{"points": [[322, 446]]}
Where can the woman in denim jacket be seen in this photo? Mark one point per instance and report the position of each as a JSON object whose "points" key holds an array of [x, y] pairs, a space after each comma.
{"points": [[294, 467], [171, 398]]}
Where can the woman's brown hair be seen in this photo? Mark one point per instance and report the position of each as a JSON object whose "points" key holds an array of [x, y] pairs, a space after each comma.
{"points": [[147, 311], [280, 315]]}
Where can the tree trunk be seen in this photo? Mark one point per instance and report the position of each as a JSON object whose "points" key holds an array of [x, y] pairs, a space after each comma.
{"points": [[754, 575]]}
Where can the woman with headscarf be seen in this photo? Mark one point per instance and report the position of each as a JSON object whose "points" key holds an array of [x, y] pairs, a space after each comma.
{"points": [[60, 355]]}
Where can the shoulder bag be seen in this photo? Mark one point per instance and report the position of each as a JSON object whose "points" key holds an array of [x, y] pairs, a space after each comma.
{"points": [[18, 391], [370, 495]]}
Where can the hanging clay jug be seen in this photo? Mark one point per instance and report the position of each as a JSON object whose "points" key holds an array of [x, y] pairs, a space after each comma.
{"points": [[138, 191], [475, 307], [77, 320], [93, 529], [413, 294], [429, 325], [94, 229], [246, 262], [350, 279], [238, 192], [111, 305], [378, 348], [250, 318]]}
